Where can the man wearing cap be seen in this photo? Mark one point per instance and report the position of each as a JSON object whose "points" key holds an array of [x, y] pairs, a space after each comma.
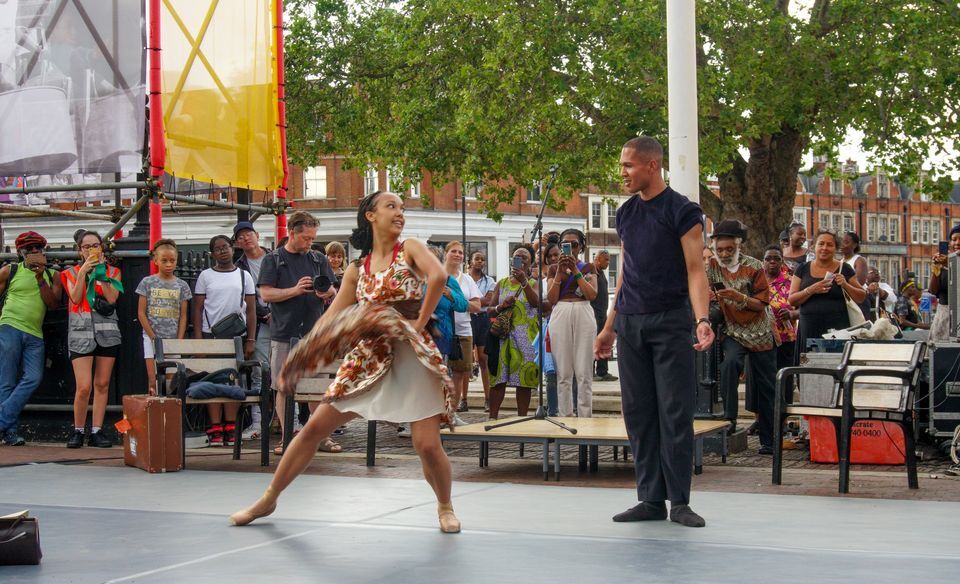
{"points": [[29, 288], [247, 240], [739, 284]]}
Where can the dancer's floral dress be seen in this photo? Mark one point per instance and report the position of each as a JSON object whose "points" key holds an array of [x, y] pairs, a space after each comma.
{"points": [[390, 372]]}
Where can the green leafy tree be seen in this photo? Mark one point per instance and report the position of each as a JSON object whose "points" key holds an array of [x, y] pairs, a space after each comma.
{"points": [[499, 90]]}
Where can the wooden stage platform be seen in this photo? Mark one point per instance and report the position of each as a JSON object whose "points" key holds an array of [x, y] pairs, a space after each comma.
{"points": [[590, 432]]}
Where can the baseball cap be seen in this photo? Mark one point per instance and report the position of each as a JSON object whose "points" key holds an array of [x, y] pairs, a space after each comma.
{"points": [[240, 226]]}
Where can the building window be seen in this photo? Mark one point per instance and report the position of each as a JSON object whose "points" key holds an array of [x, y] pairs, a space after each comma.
{"points": [[935, 231], [533, 192], [596, 208], [915, 231], [848, 222], [894, 230], [824, 220], [800, 216], [837, 223], [613, 271], [925, 231], [315, 182], [871, 228], [415, 187], [370, 181], [883, 187], [611, 216], [836, 186], [472, 189], [882, 227]]}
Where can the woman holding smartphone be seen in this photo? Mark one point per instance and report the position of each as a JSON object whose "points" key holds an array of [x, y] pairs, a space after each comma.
{"points": [[94, 335], [573, 328], [817, 290], [516, 361], [939, 282]]}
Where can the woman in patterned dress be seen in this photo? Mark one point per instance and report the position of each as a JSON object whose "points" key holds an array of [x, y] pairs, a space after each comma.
{"points": [[516, 364], [395, 374]]}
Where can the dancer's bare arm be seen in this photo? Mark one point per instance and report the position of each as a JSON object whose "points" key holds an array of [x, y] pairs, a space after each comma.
{"points": [[428, 266]]}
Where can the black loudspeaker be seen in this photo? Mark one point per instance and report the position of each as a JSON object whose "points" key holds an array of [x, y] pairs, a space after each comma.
{"points": [[943, 400], [709, 404]]}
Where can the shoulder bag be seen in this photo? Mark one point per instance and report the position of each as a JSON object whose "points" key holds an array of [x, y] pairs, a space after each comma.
{"points": [[232, 325], [854, 314]]}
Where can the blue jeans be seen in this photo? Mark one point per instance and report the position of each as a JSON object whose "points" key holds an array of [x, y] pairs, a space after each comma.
{"points": [[21, 370]]}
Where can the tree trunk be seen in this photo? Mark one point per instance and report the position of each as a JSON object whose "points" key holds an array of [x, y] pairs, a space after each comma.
{"points": [[760, 191]]}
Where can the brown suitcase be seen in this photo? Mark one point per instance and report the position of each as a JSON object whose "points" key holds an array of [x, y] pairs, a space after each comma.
{"points": [[154, 439]]}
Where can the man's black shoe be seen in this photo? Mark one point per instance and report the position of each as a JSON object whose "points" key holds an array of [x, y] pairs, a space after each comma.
{"points": [[765, 450], [684, 515], [11, 438], [76, 439], [645, 511], [100, 440]]}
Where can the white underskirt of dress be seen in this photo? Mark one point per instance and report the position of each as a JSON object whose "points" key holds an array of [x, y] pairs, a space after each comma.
{"points": [[407, 392]]}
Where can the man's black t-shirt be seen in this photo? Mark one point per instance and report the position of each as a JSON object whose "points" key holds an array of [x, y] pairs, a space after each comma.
{"points": [[282, 269], [654, 275]]}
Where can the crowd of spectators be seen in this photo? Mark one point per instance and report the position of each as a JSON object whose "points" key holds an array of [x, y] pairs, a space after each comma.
{"points": [[764, 309]]}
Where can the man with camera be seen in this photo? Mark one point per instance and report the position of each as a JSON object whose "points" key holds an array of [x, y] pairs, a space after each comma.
{"points": [[296, 281], [247, 241], [739, 284], [28, 289]]}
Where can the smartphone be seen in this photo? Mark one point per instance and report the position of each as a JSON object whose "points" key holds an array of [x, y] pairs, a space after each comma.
{"points": [[566, 249], [944, 248], [828, 276], [517, 262], [717, 286]]}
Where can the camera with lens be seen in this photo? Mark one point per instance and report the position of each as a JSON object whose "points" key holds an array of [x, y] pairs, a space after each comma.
{"points": [[321, 284]]}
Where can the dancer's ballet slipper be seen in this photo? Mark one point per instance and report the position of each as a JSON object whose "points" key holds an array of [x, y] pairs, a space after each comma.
{"points": [[264, 506], [448, 521]]}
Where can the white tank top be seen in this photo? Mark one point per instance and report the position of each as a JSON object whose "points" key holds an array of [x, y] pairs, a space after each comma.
{"points": [[852, 262]]}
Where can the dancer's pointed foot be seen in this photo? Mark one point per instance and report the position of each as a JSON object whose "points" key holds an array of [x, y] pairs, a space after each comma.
{"points": [[448, 521], [264, 506]]}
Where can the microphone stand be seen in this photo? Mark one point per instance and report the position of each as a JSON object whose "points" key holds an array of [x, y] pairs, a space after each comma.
{"points": [[541, 412]]}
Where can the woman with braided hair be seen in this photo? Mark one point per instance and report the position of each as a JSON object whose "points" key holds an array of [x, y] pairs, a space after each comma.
{"points": [[392, 369]]}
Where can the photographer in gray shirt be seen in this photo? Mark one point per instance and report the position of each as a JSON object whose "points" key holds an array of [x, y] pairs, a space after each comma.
{"points": [[297, 282]]}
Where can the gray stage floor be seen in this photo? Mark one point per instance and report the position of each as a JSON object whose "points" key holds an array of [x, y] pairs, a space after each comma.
{"points": [[123, 525]]}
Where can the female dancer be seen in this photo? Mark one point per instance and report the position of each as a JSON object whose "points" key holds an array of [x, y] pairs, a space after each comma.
{"points": [[400, 378]]}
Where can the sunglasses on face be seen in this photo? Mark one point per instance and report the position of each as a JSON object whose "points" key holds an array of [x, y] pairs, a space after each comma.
{"points": [[32, 249]]}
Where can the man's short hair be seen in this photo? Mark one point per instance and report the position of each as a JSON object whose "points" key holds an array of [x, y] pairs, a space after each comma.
{"points": [[602, 252], [646, 146], [299, 220]]}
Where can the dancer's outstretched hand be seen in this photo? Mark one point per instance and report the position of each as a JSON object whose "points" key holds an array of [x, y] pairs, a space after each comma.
{"points": [[287, 380]]}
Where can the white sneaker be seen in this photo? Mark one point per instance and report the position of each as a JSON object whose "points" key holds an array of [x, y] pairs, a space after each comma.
{"points": [[458, 421], [297, 426], [404, 432], [251, 432]]}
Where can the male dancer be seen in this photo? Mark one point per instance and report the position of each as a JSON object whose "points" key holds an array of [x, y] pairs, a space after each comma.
{"points": [[662, 279]]}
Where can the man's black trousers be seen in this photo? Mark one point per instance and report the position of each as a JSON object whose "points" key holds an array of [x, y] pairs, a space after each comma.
{"points": [[658, 390]]}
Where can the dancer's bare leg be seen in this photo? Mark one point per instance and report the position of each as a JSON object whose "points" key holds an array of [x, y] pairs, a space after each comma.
{"points": [[297, 457], [436, 468]]}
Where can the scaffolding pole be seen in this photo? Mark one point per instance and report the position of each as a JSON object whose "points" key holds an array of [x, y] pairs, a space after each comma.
{"points": [[219, 204], [126, 217], [69, 188], [53, 212], [281, 119]]}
